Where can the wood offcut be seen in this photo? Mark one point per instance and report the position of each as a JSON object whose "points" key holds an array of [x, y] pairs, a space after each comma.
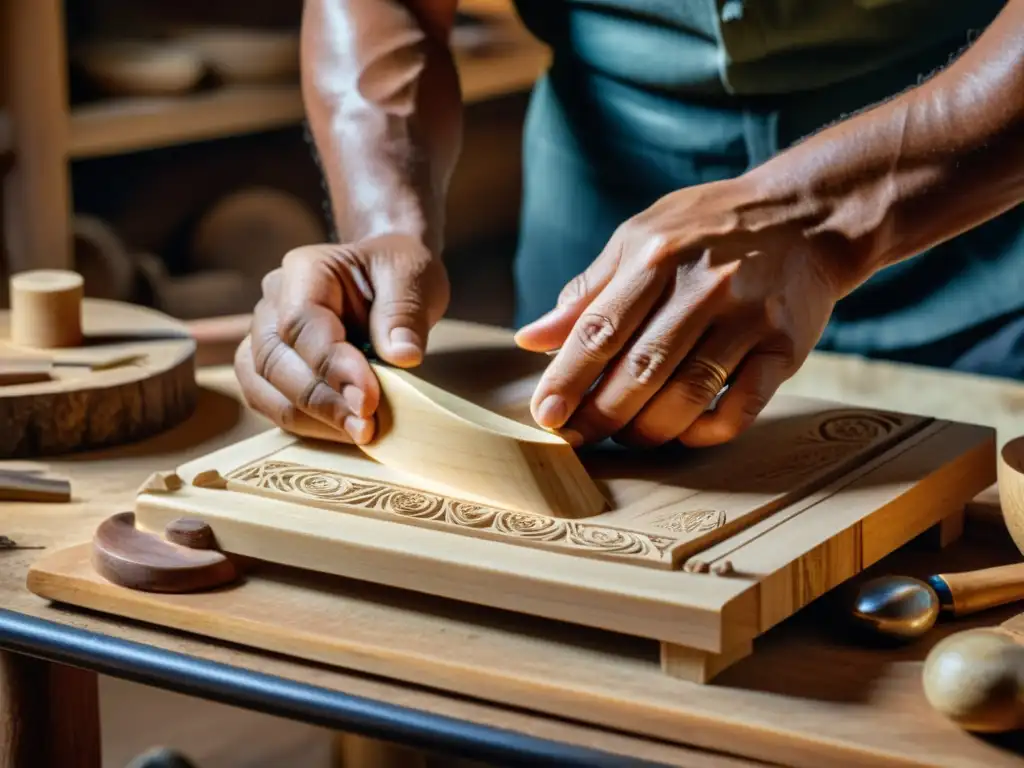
{"points": [[455, 447], [140, 560], [118, 374], [30, 486]]}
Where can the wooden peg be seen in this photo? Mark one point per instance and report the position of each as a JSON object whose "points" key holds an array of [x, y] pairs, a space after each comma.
{"points": [[46, 308], [139, 560], [194, 534]]}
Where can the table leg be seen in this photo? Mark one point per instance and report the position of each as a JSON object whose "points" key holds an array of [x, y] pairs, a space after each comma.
{"points": [[350, 750], [946, 532], [951, 528], [49, 714], [696, 666]]}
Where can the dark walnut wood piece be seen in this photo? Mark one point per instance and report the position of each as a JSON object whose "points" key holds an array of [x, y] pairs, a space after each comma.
{"points": [[191, 533], [131, 558]]}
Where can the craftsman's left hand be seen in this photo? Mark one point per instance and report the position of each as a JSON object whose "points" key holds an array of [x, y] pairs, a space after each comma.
{"points": [[702, 288]]}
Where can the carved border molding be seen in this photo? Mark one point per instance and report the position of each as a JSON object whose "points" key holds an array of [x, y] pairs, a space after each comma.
{"points": [[820, 451], [346, 493]]}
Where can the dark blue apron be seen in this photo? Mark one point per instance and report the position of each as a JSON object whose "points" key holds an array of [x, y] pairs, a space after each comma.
{"points": [[648, 96]]}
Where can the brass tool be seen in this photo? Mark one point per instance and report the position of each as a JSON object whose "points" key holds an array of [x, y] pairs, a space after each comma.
{"points": [[905, 607]]}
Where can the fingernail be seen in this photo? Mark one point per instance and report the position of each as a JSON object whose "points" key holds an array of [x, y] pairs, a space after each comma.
{"points": [[355, 399], [552, 412], [547, 317], [405, 343], [358, 429]]}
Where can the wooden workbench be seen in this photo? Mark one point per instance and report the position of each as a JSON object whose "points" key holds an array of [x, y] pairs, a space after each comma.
{"points": [[807, 697]]}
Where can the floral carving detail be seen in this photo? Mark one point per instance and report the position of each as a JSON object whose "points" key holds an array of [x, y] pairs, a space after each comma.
{"points": [[530, 526], [835, 438], [411, 504], [469, 515], [608, 539], [859, 428], [408, 503], [691, 521]]}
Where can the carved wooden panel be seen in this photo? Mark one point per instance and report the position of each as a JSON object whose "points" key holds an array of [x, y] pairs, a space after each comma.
{"points": [[349, 494], [666, 505]]}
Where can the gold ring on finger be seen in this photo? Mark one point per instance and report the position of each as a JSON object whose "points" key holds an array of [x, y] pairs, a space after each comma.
{"points": [[714, 374]]}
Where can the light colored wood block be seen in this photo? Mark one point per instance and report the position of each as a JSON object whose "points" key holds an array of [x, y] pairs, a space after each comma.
{"points": [[46, 308], [20, 370], [452, 446], [699, 666]]}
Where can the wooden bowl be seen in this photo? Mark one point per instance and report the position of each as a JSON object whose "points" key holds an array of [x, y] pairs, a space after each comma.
{"points": [[200, 294], [140, 68], [102, 259], [1010, 479], [240, 55], [251, 230]]}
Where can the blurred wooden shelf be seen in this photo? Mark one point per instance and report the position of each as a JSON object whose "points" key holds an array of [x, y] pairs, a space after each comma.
{"points": [[42, 134], [114, 126], [127, 125]]}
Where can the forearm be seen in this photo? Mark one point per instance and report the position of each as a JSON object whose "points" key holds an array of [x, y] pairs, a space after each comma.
{"points": [[917, 170], [382, 100]]}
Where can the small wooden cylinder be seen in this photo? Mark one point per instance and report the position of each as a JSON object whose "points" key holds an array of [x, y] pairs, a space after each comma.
{"points": [[46, 308]]}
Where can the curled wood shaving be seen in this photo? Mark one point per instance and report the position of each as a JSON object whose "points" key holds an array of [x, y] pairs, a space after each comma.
{"points": [[6, 542]]}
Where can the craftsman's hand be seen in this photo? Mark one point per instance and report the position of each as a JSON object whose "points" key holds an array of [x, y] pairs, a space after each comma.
{"points": [[703, 287], [301, 365]]}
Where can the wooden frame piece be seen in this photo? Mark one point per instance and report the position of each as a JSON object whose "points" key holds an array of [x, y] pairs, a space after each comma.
{"points": [[705, 617]]}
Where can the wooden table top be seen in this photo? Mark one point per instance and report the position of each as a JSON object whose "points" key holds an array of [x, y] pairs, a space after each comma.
{"points": [[802, 668]]}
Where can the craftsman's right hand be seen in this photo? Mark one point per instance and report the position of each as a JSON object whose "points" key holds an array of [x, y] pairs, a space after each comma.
{"points": [[301, 364]]}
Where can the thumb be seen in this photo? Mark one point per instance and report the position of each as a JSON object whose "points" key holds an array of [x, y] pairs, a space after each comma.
{"points": [[549, 332], [410, 296]]}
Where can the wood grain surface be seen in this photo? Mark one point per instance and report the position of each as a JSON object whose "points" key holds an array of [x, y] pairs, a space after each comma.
{"points": [[80, 407], [815, 696], [130, 558], [786, 561], [807, 697], [803, 501]]}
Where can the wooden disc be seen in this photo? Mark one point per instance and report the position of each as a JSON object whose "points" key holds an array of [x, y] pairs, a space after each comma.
{"points": [[82, 408]]}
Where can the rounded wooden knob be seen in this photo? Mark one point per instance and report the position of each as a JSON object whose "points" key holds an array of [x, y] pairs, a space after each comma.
{"points": [[188, 532], [46, 308], [974, 678]]}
